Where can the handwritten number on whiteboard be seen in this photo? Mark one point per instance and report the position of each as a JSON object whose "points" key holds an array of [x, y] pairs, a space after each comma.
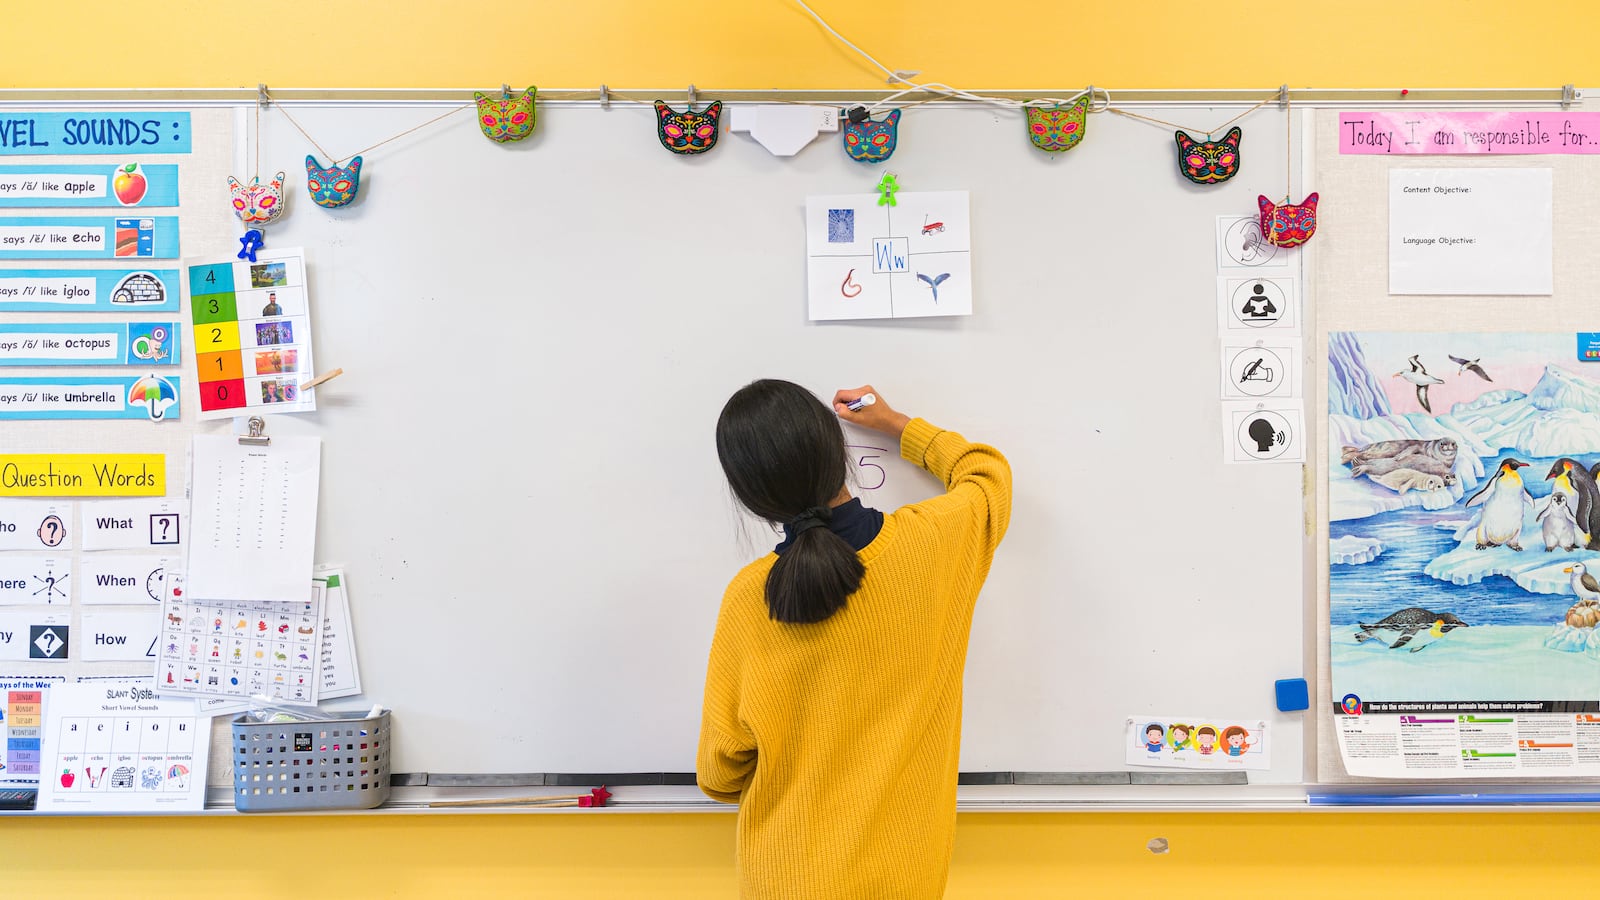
{"points": [[861, 461]]}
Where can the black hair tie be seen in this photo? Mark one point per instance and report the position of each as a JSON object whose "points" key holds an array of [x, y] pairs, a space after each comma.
{"points": [[815, 517]]}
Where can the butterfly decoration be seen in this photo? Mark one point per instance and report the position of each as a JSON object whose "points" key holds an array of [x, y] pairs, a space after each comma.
{"points": [[508, 119], [688, 132], [868, 141], [1208, 161], [1058, 128], [1288, 224], [256, 203], [934, 283], [334, 186]]}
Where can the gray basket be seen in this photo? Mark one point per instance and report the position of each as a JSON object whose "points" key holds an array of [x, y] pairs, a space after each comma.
{"points": [[339, 764]]}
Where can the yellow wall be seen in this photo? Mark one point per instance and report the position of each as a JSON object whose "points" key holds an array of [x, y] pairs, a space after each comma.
{"points": [[773, 44], [770, 44]]}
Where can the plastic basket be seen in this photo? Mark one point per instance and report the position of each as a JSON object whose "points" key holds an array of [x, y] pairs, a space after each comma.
{"points": [[338, 764]]}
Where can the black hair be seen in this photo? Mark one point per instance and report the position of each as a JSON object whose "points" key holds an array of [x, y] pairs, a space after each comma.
{"points": [[783, 453]]}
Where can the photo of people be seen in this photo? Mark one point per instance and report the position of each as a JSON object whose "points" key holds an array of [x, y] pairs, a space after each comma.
{"points": [[269, 274], [272, 308], [279, 390], [272, 362], [274, 333]]}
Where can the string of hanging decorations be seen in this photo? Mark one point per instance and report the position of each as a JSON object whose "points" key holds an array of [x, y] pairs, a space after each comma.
{"points": [[784, 125]]}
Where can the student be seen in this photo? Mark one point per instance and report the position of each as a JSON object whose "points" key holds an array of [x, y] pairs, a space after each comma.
{"points": [[833, 694]]}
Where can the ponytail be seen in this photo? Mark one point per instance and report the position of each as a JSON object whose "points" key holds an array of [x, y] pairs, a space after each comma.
{"points": [[784, 455], [812, 578]]}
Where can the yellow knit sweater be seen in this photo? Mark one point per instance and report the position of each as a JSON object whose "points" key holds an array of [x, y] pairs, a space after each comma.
{"points": [[839, 740]]}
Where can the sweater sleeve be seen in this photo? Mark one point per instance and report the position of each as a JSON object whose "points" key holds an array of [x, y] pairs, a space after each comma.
{"points": [[975, 475], [727, 754]]}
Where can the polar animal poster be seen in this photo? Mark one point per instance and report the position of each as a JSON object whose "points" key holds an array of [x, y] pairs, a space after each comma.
{"points": [[1464, 537], [867, 260]]}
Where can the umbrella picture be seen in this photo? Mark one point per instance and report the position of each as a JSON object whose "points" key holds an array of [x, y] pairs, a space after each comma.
{"points": [[154, 393]]}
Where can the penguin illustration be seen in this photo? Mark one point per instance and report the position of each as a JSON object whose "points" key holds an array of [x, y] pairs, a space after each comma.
{"points": [[1502, 498], [1399, 629], [1560, 528], [1419, 377], [1578, 484], [1583, 584]]}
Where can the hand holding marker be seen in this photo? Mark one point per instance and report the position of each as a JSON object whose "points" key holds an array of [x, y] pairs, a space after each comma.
{"points": [[866, 407]]}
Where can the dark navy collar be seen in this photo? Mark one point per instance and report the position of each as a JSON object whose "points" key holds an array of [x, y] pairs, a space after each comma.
{"points": [[857, 524]]}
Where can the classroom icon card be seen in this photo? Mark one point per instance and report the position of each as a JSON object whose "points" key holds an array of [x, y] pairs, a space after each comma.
{"points": [[1241, 245], [872, 261], [1202, 741], [1260, 370], [1260, 304], [1263, 432]]}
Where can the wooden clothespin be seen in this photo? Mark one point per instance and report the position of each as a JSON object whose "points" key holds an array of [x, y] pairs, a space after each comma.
{"points": [[325, 376]]}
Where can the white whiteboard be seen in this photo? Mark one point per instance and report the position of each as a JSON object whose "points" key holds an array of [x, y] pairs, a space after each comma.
{"points": [[519, 472]]}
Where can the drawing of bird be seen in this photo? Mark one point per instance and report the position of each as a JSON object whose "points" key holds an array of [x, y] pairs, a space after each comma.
{"points": [[1470, 365], [1583, 584], [934, 283], [1419, 376]]}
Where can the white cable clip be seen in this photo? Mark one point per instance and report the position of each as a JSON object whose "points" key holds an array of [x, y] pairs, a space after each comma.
{"points": [[690, 94]]}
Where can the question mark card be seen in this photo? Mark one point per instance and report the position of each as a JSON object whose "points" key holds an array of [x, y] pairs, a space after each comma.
{"points": [[143, 524], [28, 580], [34, 636], [35, 525]]}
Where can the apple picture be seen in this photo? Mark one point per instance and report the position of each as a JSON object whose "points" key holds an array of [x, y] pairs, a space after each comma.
{"points": [[129, 184], [67, 778]]}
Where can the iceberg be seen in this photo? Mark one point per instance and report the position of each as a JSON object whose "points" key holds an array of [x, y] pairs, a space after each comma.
{"points": [[1568, 639], [1352, 389], [1353, 551], [1559, 417]]}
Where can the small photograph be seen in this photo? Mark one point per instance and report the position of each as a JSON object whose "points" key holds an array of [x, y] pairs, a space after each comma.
{"points": [[279, 390], [268, 333], [269, 274], [273, 308], [273, 362]]}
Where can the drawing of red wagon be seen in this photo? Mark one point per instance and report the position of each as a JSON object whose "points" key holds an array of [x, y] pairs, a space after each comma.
{"points": [[931, 227]]}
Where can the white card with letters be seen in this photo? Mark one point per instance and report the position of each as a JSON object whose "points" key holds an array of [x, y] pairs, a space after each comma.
{"points": [[867, 260], [113, 746]]}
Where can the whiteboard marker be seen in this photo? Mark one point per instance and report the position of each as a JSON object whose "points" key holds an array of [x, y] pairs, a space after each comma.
{"points": [[866, 400]]}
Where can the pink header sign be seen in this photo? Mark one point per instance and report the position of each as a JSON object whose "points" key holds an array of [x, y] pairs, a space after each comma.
{"points": [[1447, 132]]}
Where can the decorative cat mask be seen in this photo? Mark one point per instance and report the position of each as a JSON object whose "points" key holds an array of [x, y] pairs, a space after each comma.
{"points": [[1209, 162], [868, 141], [1059, 127], [510, 119], [1288, 225], [334, 186], [688, 131], [257, 203]]}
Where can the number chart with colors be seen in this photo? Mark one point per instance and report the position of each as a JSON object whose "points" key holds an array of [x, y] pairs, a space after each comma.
{"points": [[252, 335]]}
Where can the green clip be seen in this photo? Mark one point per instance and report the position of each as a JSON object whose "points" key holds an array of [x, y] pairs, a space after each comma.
{"points": [[886, 188]]}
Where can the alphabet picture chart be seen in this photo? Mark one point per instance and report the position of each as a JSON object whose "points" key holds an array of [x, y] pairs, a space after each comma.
{"points": [[114, 746], [239, 649], [252, 334], [872, 260]]}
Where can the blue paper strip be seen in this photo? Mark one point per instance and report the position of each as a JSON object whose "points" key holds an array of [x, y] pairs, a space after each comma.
{"points": [[98, 344], [90, 397], [88, 237], [82, 185], [79, 133], [89, 290]]}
